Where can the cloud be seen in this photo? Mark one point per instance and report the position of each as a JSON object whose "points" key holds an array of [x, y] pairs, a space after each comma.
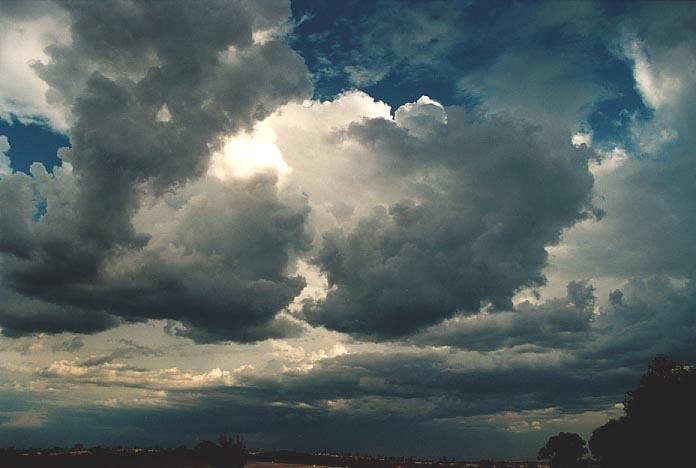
{"points": [[656, 90], [203, 190], [22, 419], [642, 318], [457, 212], [116, 374], [130, 350], [377, 45], [456, 198], [646, 232], [407, 384], [215, 247], [22, 316], [5, 168], [562, 323], [84, 261], [435, 389], [572, 382], [289, 358], [70, 346], [646, 317], [26, 30]]}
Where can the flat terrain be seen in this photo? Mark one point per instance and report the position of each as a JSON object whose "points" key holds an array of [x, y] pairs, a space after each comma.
{"points": [[260, 464]]}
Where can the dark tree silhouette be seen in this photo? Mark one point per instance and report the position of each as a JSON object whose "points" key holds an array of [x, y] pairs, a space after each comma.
{"points": [[565, 450], [235, 451], [226, 453], [655, 430], [205, 446]]}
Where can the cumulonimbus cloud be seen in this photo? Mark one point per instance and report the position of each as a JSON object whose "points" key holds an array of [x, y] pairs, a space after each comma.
{"points": [[441, 211], [469, 204], [65, 264]]}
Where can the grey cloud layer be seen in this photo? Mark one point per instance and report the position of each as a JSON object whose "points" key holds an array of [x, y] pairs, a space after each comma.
{"points": [[440, 390], [563, 323], [436, 390], [645, 317]]}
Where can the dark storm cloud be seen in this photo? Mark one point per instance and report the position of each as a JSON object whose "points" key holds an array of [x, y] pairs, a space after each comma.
{"points": [[484, 194], [647, 316], [562, 323], [484, 197], [432, 389], [24, 315], [217, 265], [269, 427], [421, 390], [22, 9], [127, 62]]}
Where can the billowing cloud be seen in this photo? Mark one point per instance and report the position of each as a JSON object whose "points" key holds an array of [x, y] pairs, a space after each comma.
{"points": [[79, 260], [646, 317], [456, 214], [422, 215]]}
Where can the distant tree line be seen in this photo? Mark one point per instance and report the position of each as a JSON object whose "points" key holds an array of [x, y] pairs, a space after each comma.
{"points": [[226, 453], [656, 430]]}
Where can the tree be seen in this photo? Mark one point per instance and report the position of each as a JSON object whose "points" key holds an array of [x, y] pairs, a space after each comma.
{"points": [[565, 450], [205, 446], [234, 452], [226, 453], [652, 432]]}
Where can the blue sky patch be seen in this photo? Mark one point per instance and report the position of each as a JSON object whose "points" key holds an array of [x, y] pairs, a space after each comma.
{"points": [[31, 143]]}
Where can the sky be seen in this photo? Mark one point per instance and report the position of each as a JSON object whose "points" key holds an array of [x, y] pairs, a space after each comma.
{"points": [[407, 227]]}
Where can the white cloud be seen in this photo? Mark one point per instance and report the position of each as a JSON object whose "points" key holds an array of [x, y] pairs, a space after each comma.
{"points": [[317, 285], [295, 359], [334, 173], [658, 86], [163, 114], [249, 153], [118, 374], [365, 76], [581, 138], [22, 43], [422, 117], [5, 168], [610, 161]]}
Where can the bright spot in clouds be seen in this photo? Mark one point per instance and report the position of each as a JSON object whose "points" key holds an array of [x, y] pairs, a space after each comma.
{"points": [[247, 154], [23, 94], [581, 138], [658, 87]]}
